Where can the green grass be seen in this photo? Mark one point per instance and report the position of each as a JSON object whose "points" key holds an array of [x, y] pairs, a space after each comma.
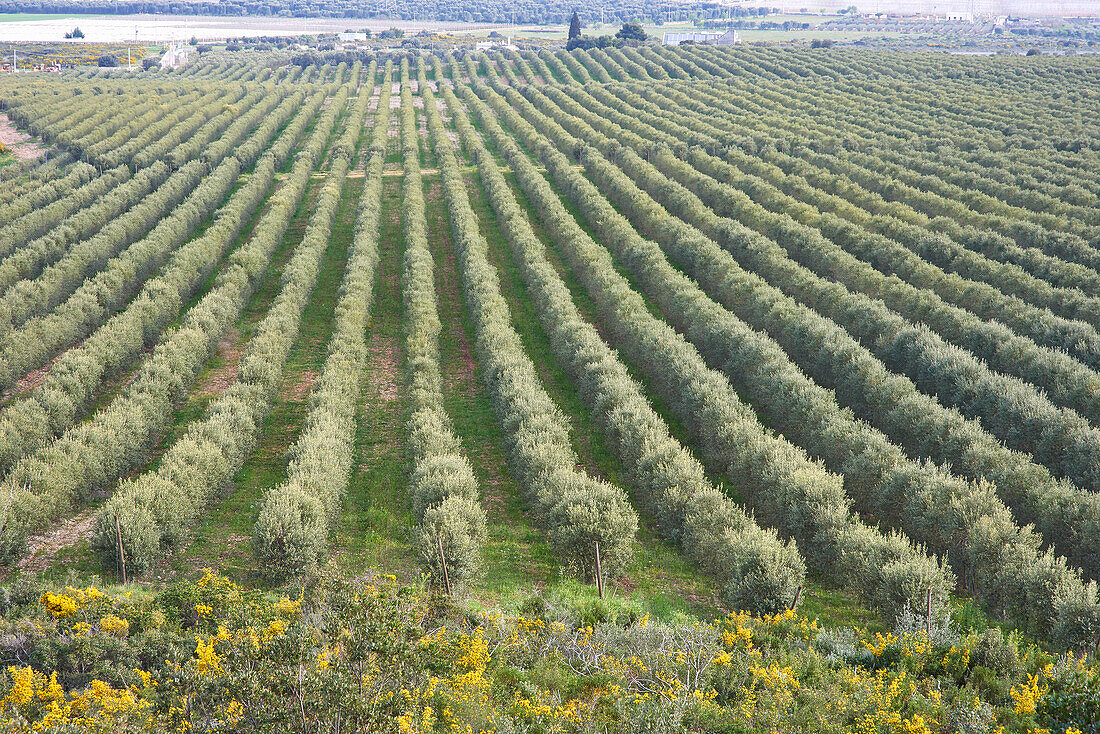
{"points": [[375, 528], [221, 539], [517, 556]]}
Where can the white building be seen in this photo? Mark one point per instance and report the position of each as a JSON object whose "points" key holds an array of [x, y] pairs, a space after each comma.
{"points": [[353, 36], [486, 45], [964, 17], [729, 38]]}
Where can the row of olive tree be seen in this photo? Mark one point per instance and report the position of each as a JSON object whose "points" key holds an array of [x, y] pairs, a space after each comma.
{"points": [[39, 219], [98, 276], [91, 207], [156, 510], [576, 509], [910, 245], [754, 568], [1042, 219], [443, 488], [553, 64], [1008, 407], [1065, 380], [1077, 338], [876, 175], [72, 382], [45, 194], [784, 488], [94, 454], [291, 533], [919, 498], [26, 175], [198, 127], [84, 117]]}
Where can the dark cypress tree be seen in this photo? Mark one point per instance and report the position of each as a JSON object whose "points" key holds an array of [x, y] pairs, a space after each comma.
{"points": [[575, 26]]}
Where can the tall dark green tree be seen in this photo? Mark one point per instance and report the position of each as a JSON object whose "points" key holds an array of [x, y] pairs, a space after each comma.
{"points": [[574, 26]]}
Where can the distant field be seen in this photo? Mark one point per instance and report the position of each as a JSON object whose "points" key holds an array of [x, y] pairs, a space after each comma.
{"points": [[159, 28], [24, 17]]}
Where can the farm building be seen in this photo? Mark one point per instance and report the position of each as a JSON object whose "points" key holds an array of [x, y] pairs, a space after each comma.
{"points": [[729, 38]]}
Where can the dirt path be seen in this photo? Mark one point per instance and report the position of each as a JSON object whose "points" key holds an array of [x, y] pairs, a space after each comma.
{"points": [[44, 548], [20, 144]]}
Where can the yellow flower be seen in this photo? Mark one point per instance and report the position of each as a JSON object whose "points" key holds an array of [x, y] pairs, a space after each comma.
{"points": [[737, 635], [59, 605], [146, 678], [286, 606], [1027, 696], [207, 661], [880, 644], [22, 687], [117, 626], [203, 610], [276, 628]]}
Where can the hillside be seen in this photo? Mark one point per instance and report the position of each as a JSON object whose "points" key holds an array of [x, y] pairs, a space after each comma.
{"points": [[631, 389]]}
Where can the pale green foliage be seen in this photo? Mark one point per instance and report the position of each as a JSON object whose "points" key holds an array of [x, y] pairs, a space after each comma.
{"points": [[756, 569], [781, 484], [576, 509], [214, 448], [99, 451], [443, 488], [291, 534]]}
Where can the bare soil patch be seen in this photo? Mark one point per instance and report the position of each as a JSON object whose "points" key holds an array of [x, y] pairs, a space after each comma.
{"points": [[386, 374], [32, 380], [43, 548], [218, 380], [20, 144], [300, 390]]}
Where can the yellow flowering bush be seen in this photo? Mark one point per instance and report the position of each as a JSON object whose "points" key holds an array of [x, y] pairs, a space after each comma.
{"points": [[39, 703], [213, 656], [115, 625]]}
